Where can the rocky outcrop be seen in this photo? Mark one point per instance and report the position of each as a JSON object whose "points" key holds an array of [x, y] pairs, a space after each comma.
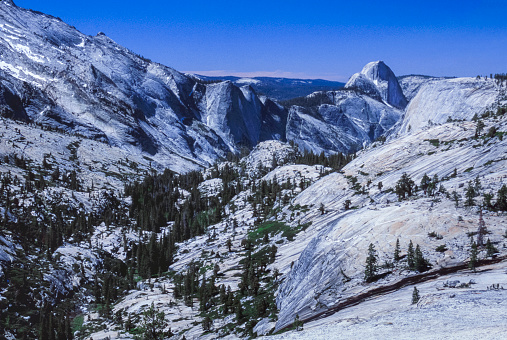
{"points": [[330, 270], [351, 121], [56, 76], [378, 82], [438, 101]]}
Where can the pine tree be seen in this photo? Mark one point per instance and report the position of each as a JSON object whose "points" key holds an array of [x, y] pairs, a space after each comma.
{"points": [[480, 126], [206, 324], [420, 263], [410, 256], [470, 194], [346, 204], [425, 182], [397, 251], [370, 270], [455, 198], [415, 296], [154, 324], [404, 187], [501, 201], [491, 250], [298, 324], [473, 257]]}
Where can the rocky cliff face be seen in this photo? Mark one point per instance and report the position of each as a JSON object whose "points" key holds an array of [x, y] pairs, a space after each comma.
{"points": [[350, 120], [379, 82], [330, 270], [56, 76], [438, 101]]}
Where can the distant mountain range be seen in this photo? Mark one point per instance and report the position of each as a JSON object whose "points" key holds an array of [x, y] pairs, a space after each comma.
{"points": [[281, 88], [54, 76]]}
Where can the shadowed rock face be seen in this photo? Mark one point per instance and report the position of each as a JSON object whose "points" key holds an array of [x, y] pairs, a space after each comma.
{"points": [[379, 82], [351, 120]]}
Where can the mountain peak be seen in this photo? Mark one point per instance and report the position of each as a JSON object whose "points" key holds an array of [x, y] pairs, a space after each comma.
{"points": [[379, 81], [8, 2]]}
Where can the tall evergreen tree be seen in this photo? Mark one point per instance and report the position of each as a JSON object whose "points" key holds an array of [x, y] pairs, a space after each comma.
{"points": [[470, 194], [410, 256], [397, 250], [370, 270], [473, 257], [415, 296]]}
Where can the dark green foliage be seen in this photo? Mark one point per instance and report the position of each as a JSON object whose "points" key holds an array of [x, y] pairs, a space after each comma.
{"points": [[370, 270], [346, 204], [491, 132], [470, 194], [420, 263], [435, 235], [271, 229], [404, 187], [434, 142], [479, 127], [441, 248], [490, 248], [455, 198], [335, 161], [501, 201], [322, 209], [488, 204], [410, 256], [425, 182], [153, 256], [415, 296], [154, 324], [297, 324], [473, 257], [396, 256]]}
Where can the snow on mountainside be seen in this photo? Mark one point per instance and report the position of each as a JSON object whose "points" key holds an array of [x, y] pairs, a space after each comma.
{"points": [[54, 75], [93, 228]]}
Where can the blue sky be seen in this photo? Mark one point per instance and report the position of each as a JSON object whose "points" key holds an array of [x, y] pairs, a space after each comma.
{"points": [[304, 39]]}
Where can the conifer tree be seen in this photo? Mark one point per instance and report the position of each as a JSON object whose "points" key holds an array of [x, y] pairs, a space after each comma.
{"points": [[501, 201], [410, 256], [298, 324], [470, 194], [397, 251], [420, 263], [370, 270], [490, 248], [455, 198], [473, 257], [404, 187], [415, 296], [425, 182]]}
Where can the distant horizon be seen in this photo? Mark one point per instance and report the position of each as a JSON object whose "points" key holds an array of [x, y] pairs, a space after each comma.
{"points": [[325, 40], [258, 74]]}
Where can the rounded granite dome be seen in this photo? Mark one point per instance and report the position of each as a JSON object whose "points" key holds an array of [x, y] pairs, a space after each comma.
{"points": [[379, 82]]}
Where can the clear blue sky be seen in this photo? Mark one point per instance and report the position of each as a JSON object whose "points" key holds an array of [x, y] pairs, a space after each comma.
{"points": [[308, 39]]}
